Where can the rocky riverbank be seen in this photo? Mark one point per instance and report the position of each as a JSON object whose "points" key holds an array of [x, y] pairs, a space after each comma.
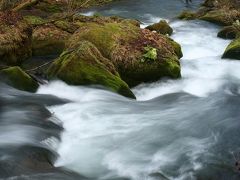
{"points": [[225, 13]]}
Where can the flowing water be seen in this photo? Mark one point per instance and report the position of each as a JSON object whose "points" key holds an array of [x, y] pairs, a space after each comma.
{"points": [[177, 129]]}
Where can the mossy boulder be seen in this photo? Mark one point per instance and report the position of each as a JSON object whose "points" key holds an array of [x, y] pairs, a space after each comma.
{"points": [[34, 20], [177, 48], [161, 27], [15, 39], [124, 45], [65, 25], [229, 32], [16, 77], [85, 65], [233, 50], [224, 17], [187, 15], [48, 40]]}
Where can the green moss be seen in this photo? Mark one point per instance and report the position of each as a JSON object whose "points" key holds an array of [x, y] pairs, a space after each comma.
{"points": [[187, 15], [233, 50], [177, 48], [66, 26], [15, 43], [161, 27], [221, 17], [48, 47], [86, 66], [48, 40], [150, 54], [124, 45], [16, 77], [172, 67], [34, 20], [105, 36]]}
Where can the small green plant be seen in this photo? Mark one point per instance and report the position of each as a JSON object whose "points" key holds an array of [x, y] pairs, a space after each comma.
{"points": [[150, 54]]}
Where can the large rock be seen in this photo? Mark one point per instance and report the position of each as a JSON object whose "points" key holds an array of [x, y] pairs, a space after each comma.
{"points": [[15, 39], [16, 77], [233, 50], [222, 16], [229, 32], [161, 27], [85, 65], [126, 46], [48, 40]]}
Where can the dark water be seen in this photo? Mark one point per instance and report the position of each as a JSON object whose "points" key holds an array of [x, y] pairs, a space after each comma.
{"points": [[177, 129], [145, 10]]}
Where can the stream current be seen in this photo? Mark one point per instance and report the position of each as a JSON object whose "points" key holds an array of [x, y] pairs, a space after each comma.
{"points": [[176, 129]]}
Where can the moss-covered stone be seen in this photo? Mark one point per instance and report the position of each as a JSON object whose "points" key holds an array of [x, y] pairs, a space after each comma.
{"points": [[66, 25], [85, 65], [124, 44], [229, 32], [15, 39], [233, 50], [48, 40], [161, 27], [177, 48], [34, 20], [187, 15], [16, 77], [222, 16]]}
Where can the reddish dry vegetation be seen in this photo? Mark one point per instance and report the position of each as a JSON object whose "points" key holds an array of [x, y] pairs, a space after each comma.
{"points": [[9, 18], [155, 40]]}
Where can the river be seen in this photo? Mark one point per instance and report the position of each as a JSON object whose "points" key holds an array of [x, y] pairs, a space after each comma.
{"points": [[176, 129]]}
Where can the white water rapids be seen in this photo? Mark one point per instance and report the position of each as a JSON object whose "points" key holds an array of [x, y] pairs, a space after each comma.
{"points": [[177, 129]]}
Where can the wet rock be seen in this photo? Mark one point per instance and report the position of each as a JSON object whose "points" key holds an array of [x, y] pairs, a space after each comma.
{"points": [[222, 16], [187, 15], [161, 27], [233, 50], [229, 32], [16, 77], [34, 20], [48, 40], [85, 65], [124, 45]]}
